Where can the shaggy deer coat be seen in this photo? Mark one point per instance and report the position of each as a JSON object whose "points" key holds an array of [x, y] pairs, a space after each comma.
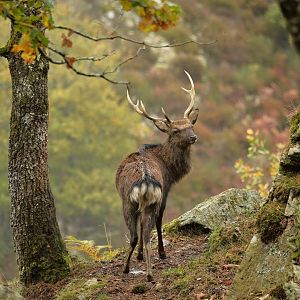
{"points": [[145, 177]]}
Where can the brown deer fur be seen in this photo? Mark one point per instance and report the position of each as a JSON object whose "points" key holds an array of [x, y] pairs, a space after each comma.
{"points": [[144, 179]]}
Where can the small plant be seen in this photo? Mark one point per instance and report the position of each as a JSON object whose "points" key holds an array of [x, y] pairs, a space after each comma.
{"points": [[260, 168], [139, 289], [87, 250]]}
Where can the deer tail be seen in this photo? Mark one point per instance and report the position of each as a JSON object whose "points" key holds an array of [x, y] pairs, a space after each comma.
{"points": [[146, 192]]}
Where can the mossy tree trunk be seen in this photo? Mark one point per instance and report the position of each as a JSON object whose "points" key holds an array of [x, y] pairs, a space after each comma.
{"points": [[41, 254]]}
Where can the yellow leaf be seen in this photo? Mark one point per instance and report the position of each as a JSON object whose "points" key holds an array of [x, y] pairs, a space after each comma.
{"points": [[250, 131], [29, 57], [46, 21]]}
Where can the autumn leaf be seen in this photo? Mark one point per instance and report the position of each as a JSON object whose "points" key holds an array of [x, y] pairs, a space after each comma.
{"points": [[46, 21], [70, 32], [28, 52], [70, 61], [29, 57], [66, 41]]}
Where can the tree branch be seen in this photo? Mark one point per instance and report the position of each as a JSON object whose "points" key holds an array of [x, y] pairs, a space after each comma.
{"points": [[142, 43], [66, 61]]}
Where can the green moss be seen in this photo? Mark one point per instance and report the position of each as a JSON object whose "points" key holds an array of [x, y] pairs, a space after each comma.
{"points": [[139, 289], [183, 285], [283, 186], [79, 287], [271, 221], [295, 127], [221, 237], [47, 264], [296, 252], [174, 272], [172, 227]]}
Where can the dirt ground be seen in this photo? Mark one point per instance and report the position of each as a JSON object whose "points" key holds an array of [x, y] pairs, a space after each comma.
{"points": [[182, 275]]}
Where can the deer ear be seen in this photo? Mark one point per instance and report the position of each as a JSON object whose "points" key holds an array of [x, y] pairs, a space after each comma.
{"points": [[194, 115], [162, 126]]}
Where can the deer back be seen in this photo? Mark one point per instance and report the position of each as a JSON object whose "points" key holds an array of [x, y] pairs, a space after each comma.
{"points": [[139, 179]]}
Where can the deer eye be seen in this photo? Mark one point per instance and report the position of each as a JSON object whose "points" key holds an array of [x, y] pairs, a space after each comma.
{"points": [[176, 130]]}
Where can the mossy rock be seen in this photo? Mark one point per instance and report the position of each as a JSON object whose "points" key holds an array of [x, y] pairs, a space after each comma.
{"points": [[295, 128], [271, 221], [216, 211], [264, 267]]}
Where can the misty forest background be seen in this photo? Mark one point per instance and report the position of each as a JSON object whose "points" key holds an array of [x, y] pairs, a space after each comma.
{"points": [[248, 79]]}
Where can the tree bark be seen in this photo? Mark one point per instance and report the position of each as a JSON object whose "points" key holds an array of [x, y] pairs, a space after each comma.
{"points": [[41, 254]]}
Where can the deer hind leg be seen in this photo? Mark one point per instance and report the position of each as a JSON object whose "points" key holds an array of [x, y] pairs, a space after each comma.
{"points": [[132, 226], [148, 221], [140, 255]]}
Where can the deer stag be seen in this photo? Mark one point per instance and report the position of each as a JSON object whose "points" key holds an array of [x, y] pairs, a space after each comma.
{"points": [[144, 178]]}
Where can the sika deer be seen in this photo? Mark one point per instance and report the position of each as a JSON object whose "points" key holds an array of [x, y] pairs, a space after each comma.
{"points": [[144, 178]]}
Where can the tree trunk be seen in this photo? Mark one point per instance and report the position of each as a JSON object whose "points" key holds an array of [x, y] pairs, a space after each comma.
{"points": [[41, 254]]}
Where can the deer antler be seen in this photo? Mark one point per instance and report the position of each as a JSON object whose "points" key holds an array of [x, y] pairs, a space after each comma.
{"points": [[140, 109], [191, 92]]}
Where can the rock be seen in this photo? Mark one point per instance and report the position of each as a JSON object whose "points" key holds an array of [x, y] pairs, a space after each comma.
{"points": [[218, 210], [91, 282], [6, 293], [158, 286], [269, 268]]}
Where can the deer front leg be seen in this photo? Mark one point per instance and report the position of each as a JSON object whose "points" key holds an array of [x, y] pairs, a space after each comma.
{"points": [[161, 250]]}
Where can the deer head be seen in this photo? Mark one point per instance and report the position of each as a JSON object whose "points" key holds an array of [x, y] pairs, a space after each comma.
{"points": [[180, 131]]}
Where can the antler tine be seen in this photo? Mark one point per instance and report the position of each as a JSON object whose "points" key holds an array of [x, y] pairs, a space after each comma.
{"points": [[135, 106], [140, 109], [191, 92], [167, 118]]}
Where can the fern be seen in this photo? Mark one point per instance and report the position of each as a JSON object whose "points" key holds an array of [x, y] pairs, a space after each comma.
{"points": [[87, 250]]}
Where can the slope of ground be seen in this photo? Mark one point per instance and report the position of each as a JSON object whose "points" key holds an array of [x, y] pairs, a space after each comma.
{"points": [[199, 266]]}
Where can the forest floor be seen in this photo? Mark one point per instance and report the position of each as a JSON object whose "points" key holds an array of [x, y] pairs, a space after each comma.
{"points": [[198, 266]]}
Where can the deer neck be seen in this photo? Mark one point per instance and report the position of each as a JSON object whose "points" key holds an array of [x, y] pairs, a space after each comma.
{"points": [[176, 160]]}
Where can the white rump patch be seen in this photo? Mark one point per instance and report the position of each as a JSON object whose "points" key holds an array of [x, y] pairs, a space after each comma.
{"points": [[152, 194]]}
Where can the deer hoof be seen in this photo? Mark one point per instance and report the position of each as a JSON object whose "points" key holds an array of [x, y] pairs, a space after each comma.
{"points": [[162, 255], [126, 270], [140, 256]]}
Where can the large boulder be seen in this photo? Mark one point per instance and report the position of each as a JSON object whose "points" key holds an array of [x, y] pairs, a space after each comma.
{"points": [[270, 269], [218, 210]]}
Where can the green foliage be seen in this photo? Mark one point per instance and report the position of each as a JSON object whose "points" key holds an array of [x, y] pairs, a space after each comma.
{"points": [[139, 289], [31, 19], [262, 165]]}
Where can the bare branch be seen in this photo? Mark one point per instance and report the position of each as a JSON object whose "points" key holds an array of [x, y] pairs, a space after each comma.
{"points": [[66, 62], [126, 61], [143, 43]]}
